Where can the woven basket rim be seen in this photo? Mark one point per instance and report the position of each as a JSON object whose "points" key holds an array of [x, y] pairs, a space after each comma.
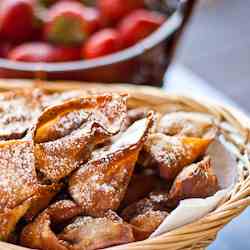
{"points": [[196, 235]]}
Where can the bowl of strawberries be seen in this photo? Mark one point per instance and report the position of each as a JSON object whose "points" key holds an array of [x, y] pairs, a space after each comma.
{"points": [[90, 40]]}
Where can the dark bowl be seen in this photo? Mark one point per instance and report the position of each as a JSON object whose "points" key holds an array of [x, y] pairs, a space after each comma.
{"points": [[144, 63]]}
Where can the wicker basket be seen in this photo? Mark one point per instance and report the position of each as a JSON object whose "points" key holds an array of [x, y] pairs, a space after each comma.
{"points": [[233, 124]]}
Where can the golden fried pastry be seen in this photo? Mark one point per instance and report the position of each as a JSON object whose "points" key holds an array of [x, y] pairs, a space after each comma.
{"points": [[64, 210], [107, 110], [139, 187], [66, 134], [83, 233], [147, 214], [88, 233], [17, 173], [155, 201], [106, 176], [171, 154], [38, 234], [188, 124], [18, 112], [195, 181], [145, 224], [41, 199], [9, 219]]}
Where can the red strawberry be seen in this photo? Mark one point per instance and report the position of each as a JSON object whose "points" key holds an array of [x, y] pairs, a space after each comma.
{"points": [[93, 18], [113, 10], [43, 52], [70, 22], [138, 25], [101, 43], [64, 54], [16, 19], [32, 52]]}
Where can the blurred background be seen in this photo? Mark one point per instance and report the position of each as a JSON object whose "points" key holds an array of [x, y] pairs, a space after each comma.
{"points": [[216, 47], [89, 40]]}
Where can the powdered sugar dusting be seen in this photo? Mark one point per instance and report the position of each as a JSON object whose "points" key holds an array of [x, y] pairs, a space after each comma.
{"points": [[84, 123], [107, 174], [17, 116], [131, 136], [187, 123], [17, 173], [65, 124], [59, 158], [169, 150]]}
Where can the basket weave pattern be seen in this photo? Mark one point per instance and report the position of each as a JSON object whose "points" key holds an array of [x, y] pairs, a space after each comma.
{"points": [[233, 125]]}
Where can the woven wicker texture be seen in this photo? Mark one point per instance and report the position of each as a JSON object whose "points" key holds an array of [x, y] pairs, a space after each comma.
{"points": [[233, 124]]}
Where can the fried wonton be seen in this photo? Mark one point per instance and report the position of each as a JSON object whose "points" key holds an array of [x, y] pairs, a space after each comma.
{"points": [[188, 124], [101, 183], [195, 181], [10, 217], [90, 233], [18, 112], [66, 134], [83, 233], [145, 224], [18, 180], [155, 201], [41, 199], [147, 214], [64, 210], [170, 154], [39, 234]]}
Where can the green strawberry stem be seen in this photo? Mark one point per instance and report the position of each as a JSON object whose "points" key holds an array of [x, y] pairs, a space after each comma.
{"points": [[67, 30]]}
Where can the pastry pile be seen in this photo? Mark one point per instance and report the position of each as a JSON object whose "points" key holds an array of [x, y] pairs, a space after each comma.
{"points": [[85, 171]]}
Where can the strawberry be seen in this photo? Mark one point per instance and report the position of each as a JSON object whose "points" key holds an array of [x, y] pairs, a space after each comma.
{"points": [[103, 42], [93, 18], [113, 10], [64, 54], [32, 52], [16, 19], [43, 52], [138, 25], [70, 22]]}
